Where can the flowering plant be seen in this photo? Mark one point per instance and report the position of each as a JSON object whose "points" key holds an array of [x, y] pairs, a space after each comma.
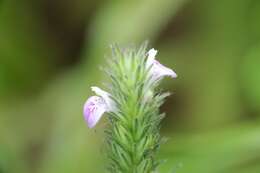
{"points": [[132, 106]]}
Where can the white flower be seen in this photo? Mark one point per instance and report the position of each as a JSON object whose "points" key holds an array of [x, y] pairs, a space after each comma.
{"points": [[158, 70], [96, 106], [151, 56]]}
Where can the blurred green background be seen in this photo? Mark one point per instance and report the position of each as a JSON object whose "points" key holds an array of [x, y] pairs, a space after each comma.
{"points": [[50, 54]]}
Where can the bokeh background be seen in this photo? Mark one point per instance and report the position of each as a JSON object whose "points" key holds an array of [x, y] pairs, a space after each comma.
{"points": [[50, 54]]}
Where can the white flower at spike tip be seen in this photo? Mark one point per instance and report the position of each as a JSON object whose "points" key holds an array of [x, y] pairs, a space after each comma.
{"points": [[158, 70], [96, 106]]}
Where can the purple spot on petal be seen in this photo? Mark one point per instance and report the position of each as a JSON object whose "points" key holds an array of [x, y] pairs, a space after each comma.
{"points": [[93, 110]]}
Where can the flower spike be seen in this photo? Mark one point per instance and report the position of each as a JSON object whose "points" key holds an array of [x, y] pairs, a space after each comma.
{"points": [[132, 106]]}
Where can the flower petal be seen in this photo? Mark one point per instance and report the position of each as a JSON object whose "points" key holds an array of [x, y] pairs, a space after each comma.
{"points": [[158, 70], [161, 71], [151, 57], [106, 96], [94, 108]]}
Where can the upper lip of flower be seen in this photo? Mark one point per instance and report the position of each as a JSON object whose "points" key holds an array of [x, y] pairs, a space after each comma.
{"points": [[105, 96]]}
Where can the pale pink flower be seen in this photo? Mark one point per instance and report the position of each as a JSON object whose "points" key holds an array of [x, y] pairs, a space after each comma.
{"points": [[158, 70], [96, 106]]}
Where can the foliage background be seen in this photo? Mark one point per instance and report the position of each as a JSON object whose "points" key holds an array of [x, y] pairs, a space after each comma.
{"points": [[50, 53]]}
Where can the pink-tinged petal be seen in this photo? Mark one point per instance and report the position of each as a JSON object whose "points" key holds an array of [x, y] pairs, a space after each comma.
{"points": [[94, 108], [158, 70], [161, 71], [106, 96]]}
